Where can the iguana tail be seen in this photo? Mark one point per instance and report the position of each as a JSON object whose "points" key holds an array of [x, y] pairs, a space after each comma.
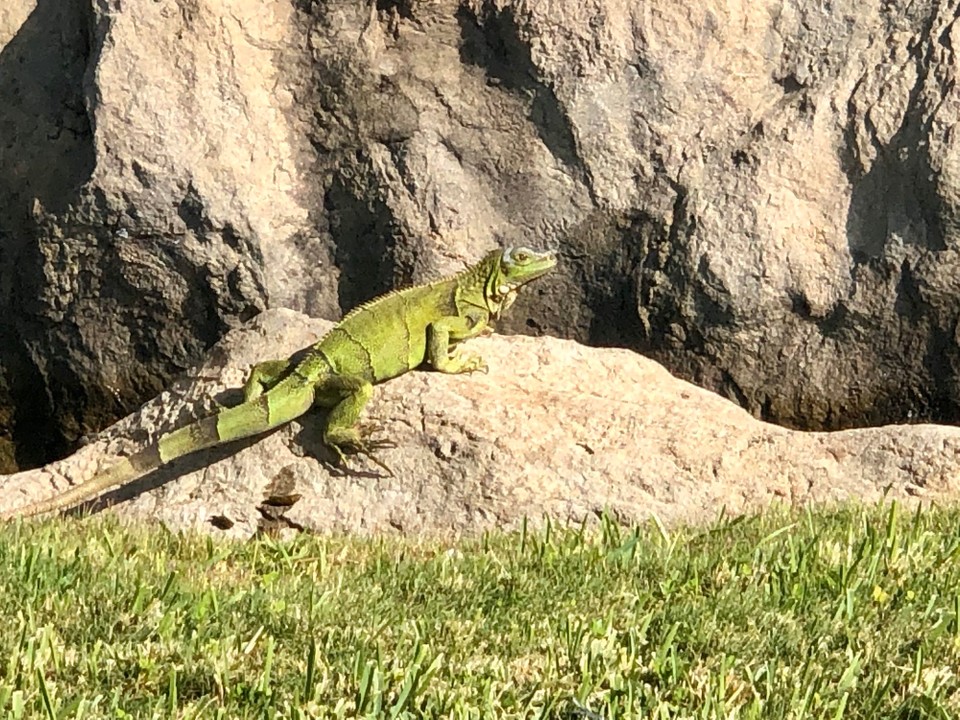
{"points": [[284, 403]]}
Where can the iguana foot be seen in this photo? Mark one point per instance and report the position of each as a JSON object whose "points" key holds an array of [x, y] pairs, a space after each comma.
{"points": [[464, 362], [475, 363], [353, 443], [365, 450]]}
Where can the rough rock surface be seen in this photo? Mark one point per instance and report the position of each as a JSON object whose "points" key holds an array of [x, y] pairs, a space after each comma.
{"points": [[762, 196], [555, 429]]}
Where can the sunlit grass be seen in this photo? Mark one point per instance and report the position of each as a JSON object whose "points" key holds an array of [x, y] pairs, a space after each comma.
{"points": [[847, 614]]}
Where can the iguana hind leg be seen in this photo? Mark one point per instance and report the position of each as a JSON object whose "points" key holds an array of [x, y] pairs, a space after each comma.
{"points": [[346, 398], [264, 376], [448, 331]]}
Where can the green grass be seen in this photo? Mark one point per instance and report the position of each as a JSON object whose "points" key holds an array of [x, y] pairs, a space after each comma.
{"points": [[850, 614]]}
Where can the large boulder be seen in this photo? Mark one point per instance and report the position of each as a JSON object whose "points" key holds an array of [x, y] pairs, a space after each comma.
{"points": [[555, 430]]}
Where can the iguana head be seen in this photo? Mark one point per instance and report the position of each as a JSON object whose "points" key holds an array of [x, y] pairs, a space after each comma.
{"points": [[511, 269]]}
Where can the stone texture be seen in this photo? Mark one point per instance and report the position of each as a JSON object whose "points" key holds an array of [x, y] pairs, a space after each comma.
{"points": [[554, 430]]}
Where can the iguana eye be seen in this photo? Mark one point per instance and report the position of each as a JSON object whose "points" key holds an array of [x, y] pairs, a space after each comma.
{"points": [[521, 257]]}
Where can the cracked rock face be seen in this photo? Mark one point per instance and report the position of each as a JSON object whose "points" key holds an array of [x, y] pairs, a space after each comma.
{"points": [[554, 430], [763, 197]]}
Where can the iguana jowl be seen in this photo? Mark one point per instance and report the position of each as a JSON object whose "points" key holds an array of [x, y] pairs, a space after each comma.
{"points": [[376, 341]]}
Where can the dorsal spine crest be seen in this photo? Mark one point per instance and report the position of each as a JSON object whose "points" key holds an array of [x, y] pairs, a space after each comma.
{"points": [[479, 270]]}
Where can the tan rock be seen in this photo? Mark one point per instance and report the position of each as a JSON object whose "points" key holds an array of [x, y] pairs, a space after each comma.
{"points": [[555, 430]]}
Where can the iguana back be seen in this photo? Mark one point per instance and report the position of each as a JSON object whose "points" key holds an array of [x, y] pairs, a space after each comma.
{"points": [[387, 337]]}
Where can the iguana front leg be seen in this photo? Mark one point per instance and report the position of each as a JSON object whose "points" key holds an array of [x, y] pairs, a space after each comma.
{"points": [[448, 331]]}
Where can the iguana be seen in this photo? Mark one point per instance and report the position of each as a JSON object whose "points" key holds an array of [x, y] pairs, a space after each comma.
{"points": [[376, 341]]}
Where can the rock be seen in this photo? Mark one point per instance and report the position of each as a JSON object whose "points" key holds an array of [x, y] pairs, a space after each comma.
{"points": [[554, 430]]}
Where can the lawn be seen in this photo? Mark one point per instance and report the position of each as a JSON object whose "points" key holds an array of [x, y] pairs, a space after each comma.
{"points": [[852, 613]]}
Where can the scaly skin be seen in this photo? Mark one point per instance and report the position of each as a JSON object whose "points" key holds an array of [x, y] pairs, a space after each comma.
{"points": [[377, 341]]}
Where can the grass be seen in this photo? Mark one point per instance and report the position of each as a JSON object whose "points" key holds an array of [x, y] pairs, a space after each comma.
{"points": [[849, 614]]}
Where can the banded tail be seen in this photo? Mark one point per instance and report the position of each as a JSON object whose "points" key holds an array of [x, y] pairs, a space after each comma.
{"points": [[253, 417]]}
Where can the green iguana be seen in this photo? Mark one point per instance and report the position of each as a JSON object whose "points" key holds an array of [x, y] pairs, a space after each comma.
{"points": [[376, 341]]}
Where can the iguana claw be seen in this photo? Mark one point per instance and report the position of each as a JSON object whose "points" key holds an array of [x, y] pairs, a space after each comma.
{"points": [[364, 448], [367, 452]]}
